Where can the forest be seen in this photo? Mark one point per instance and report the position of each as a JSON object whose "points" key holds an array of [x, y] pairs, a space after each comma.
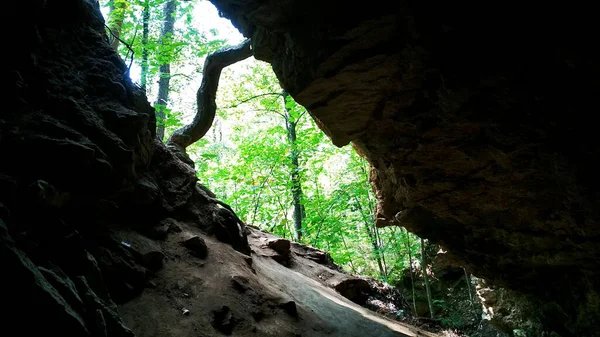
{"points": [[264, 155]]}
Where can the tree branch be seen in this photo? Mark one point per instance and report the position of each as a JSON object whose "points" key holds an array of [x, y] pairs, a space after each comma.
{"points": [[205, 97], [251, 98]]}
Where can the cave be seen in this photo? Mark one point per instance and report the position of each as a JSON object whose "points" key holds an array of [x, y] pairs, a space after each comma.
{"points": [[476, 118]]}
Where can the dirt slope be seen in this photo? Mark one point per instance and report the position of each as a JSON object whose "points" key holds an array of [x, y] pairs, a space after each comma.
{"points": [[281, 290]]}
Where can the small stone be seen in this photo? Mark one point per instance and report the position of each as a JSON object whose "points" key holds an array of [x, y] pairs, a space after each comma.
{"points": [[153, 260], [240, 283], [159, 232], [175, 228], [281, 246], [282, 250], [290, 308], [223, 320], [185, 312], [171, 224], [196, 246]]}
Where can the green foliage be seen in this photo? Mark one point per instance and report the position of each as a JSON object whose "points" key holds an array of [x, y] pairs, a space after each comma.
{"points": [[245, 159], [172, 120], [184, 50], [450, 318], [247, 156]]}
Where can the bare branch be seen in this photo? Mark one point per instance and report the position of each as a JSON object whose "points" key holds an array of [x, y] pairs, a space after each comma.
{"points": [[251, 98], [302, 114]]}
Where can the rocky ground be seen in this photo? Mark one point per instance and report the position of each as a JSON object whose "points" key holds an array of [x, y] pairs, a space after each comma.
{"points": [[206, 288]]}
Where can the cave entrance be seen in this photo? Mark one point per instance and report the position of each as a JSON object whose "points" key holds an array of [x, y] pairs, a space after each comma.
{"points": [[261, 152]]}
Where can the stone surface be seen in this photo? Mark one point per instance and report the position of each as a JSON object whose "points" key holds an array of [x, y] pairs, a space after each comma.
{"points": [[227, 228], [281, 246], [26, 290], [171, 224], [196, 246]]}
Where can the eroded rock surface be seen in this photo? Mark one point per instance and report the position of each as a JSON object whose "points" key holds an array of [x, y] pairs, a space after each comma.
{"points": [[476, 120], [84, 185]]}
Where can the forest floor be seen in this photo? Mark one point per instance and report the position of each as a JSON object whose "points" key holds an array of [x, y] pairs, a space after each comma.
{"points": [[282, 290]]}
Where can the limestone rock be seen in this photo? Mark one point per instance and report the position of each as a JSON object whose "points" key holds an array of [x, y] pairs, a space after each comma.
{"points": [[227, 228], [196, 246], [171, 224], [282, 249], [223, 320]]}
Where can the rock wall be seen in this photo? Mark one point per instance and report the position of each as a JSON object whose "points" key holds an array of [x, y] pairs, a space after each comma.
{"points": [[79, 162], [477, 118]]}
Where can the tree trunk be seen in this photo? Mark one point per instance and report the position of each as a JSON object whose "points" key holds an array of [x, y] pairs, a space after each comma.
{"points": [[381, 252], [206, 94], [116, 17], [426, 278], [145, 33], [346, 247], [471, 297], [164, 81], [412, 279], [297, 195], [372, 238]]}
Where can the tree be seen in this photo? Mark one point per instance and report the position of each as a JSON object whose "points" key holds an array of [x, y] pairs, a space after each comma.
{"points": [[165, 39], [424, 267], [410, 268], [145, 36], [206, 94], [291, 122], [116, 17]]}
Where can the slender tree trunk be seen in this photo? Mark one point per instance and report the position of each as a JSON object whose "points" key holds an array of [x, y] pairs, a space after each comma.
{"points": [[164, 81], [412, 279], [116, 17], [380, 244], [471, 298], [297, 195], [372, 238], [257, 199], [346, 247], [467, 279], [426, 278], [145, 33]]}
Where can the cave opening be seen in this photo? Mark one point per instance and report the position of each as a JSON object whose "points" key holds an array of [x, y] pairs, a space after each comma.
{"points": [[265, 156], [121, 218]]}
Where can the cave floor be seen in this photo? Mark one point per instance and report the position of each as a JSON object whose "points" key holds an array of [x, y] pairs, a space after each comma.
{"points": [[228, 294]]}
